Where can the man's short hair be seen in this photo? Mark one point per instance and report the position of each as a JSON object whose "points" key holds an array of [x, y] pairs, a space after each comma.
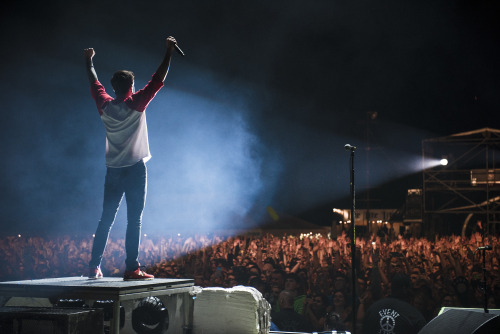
{"points": [[122, 81], [400, 286], [293, 276]]}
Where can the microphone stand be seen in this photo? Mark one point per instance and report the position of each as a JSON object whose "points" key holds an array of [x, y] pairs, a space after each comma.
{"points": [[483, 282], [353, 236]]}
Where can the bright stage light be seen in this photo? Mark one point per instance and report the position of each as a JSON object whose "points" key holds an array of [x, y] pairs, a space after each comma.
{"points": [[434, 162]]}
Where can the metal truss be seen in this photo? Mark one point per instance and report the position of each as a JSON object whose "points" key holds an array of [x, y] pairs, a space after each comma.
{"points": [[470, 183]]}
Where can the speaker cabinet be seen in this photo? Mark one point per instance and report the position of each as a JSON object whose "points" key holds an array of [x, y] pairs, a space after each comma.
{"points": [[31, 320], [164, 314], [463, 321]]}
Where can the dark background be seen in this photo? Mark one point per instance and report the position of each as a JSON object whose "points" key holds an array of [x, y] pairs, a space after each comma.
{"points": [[257, 114]]}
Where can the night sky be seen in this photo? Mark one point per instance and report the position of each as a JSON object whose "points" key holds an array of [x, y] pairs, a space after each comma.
{"points": [[256, 114]]}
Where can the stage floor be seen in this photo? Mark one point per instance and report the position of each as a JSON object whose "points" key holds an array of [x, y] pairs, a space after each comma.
{"points": [[82, 287]]}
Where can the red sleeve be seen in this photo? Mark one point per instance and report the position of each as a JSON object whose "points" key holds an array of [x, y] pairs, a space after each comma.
{"points": [[140, 100], [100, 96]]}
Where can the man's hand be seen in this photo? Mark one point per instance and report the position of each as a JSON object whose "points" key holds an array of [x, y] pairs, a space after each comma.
{"points": [[162, 70], [88, 53], [171, 43]]}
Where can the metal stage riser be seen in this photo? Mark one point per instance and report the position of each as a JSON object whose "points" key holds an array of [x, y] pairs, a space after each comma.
{"points": [[174, 295]]}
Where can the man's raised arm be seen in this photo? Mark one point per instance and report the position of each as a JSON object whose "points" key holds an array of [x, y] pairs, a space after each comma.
{"points": [[161, 72], [89, 54]]}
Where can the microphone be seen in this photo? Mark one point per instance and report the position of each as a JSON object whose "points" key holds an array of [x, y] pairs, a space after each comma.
{"points": [[487, 247], [349, 147], [178, 49]]}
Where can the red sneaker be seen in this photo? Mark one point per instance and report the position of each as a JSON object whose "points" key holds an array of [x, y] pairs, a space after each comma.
{"points": [[95, 273], [137, 275]]}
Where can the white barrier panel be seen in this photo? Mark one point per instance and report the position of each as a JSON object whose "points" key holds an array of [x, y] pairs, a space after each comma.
{"points": [[240, 310]]}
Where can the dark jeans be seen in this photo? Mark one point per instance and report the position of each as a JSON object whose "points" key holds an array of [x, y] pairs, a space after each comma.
{"points": [[131, 181]]}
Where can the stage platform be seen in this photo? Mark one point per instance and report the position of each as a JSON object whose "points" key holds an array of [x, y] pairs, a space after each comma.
{"points": [[173, 293]]}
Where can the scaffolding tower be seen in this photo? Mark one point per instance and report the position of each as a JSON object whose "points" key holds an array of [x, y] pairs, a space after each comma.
{"points": [[467, 189]]}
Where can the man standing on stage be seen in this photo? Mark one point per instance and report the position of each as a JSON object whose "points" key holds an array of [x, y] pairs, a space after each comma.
{"points": [[127, 151]]}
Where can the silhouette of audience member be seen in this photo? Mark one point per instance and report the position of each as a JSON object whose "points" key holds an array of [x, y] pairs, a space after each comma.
{"points": [[333, 322], [316, 310], [293, 284], [286, 319], [394, 314]]}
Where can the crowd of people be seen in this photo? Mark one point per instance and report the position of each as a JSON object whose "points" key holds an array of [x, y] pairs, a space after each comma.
{"points": [[304, 277]]}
